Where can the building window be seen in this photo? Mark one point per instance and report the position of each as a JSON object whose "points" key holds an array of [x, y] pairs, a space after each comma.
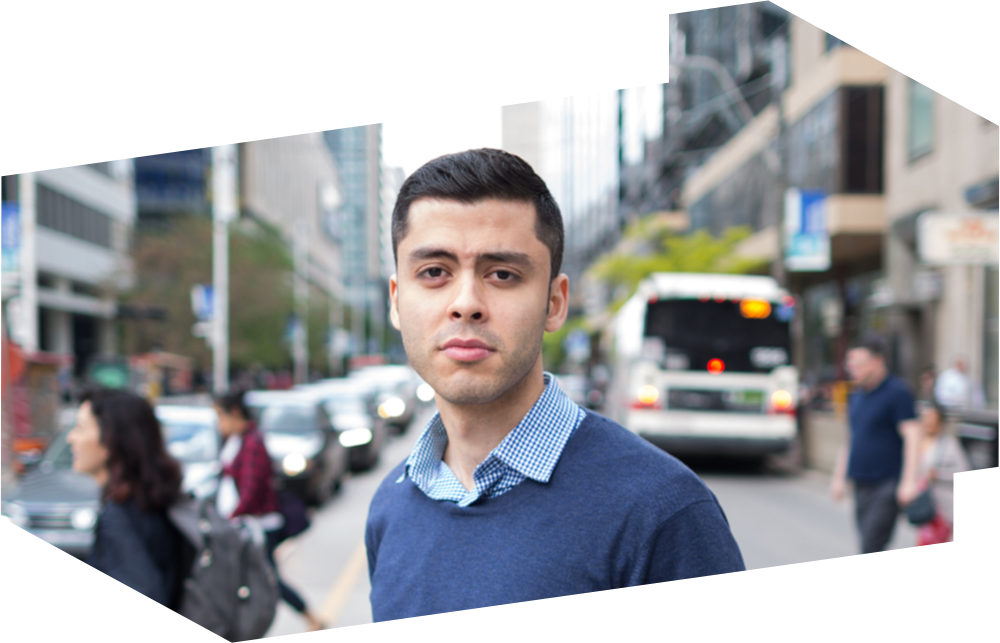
{"points": [[68, 216], [990, 345], [920, 125], [862, 134]]}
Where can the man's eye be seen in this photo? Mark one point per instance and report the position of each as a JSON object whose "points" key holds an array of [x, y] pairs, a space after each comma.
{"points": [[505, 275], [434, 273]]}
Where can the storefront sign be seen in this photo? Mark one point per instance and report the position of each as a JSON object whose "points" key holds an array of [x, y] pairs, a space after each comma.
{"points": [[807, 240], [958, 238]]}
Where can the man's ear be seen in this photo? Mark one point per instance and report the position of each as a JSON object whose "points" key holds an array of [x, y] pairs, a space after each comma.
{"points": [[558, 304], [394, 302]]}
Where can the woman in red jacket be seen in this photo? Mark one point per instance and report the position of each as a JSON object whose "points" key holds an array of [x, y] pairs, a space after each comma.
{"points": [[247, 486]]}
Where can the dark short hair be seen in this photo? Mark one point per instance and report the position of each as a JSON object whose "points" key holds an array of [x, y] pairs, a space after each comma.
{"points": [[139, 467], [476, 175], [874, 345], [233, 402]]}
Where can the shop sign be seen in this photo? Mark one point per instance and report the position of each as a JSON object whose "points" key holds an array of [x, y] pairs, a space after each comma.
{"points": [[945, 238], [807, 238]]}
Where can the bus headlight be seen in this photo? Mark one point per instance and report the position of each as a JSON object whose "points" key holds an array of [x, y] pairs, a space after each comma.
{"points": [[355, 437], [83, 519], [781, 400], [294, 464]]}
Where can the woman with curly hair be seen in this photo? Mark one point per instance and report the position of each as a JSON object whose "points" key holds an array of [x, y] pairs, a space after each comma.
{"points": [[118, 441]]}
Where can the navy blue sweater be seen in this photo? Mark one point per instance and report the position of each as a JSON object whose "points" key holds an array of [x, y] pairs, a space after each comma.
{"points": [[617, 512]]}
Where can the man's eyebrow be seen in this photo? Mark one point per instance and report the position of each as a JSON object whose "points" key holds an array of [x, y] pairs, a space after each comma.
{"points": [[515, 258], [420, 254]]}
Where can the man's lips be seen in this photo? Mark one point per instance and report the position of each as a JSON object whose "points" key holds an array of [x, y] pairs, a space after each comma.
{"points": [[466, 350]]}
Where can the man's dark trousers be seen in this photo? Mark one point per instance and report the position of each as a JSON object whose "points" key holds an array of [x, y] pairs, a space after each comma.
{"points": [[876, 509]]}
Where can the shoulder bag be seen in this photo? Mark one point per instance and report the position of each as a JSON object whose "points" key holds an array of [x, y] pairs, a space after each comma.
{"points": [[923, 508]]}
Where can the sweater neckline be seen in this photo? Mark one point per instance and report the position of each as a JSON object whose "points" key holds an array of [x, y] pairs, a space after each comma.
{"points": [[527, 488]]}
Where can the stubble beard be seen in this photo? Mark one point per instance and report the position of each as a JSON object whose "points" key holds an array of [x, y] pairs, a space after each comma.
{"points": [[464, 386]]}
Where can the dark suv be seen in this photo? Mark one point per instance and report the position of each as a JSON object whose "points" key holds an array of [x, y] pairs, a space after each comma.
{"points": [[303, 443]]}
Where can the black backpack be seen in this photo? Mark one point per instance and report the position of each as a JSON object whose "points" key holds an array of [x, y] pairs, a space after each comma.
{"points": [[231, 588]]}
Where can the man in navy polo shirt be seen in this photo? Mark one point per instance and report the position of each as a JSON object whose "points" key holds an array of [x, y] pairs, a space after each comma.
{"points": [[513, 492], [883, 448]]}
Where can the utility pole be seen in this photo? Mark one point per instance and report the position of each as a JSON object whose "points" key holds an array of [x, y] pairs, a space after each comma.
{"points": [[300, 339], [779, 74], [224, 209], [29, 262]]}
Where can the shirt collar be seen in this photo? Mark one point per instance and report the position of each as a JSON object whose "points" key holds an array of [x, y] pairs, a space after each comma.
{"points": [[532, 448]]}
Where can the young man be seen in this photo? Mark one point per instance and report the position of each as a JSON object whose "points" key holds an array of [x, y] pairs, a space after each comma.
{"points": [[882, 456], [513, 492]]}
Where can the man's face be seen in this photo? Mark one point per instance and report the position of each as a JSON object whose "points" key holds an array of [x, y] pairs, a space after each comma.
{"points": [[863, 367], [472, 296]]}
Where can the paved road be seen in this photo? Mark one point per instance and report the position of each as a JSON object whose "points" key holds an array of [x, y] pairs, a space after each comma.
{"points": [[327, 563], [777, 518]]}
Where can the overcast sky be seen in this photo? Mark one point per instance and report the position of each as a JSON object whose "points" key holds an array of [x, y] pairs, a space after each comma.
{"points": [[423, 136]]}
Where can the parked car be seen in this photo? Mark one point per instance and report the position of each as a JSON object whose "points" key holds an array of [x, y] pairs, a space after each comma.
{"points": [[302, 441], [350, 406], [396, 398], [61, 506]]}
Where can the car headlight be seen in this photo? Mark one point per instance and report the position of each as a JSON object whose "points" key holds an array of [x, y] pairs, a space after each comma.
{"points": [[392, 408], [355, 437], [425, 393], [294, 464], [83, 518], [15, 513]]}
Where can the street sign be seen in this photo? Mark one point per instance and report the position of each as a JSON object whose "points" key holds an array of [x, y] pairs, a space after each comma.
{"points": [[11, 236], [201, 301], [807, 239], [962, 238]]}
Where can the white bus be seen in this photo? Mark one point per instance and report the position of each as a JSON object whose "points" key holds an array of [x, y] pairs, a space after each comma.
{"points": [[702, 365]]}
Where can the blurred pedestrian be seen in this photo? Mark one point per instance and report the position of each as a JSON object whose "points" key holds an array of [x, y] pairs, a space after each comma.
{"points": [[883, 449], [247, 485], [927, 379], [954, 389], [118, 441], [941, 457]]}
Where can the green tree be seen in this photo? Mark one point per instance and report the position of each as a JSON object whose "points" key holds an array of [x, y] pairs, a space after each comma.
{"points": [[650, 246], [169, 261]]}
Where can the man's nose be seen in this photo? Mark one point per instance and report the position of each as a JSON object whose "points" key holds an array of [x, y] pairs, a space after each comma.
{"points": [[468, 304]]}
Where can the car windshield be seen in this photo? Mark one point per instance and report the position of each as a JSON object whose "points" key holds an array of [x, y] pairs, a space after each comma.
{"points": [[345, 403], [288, 419], [59, 454], [190, 441]]}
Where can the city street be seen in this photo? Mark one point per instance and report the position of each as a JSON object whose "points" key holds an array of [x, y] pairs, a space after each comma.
{"points": [[778, 519]]}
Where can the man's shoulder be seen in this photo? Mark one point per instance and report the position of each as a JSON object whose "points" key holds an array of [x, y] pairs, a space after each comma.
{"points": [[606, 452]]}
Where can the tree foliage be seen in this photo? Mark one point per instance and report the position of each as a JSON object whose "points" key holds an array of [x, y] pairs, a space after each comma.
{"points": [[650, 246], [168, 262]]}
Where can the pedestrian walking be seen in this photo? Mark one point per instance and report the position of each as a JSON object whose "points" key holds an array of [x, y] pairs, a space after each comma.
{"points": [[881, 458], [941, 457], [247, 486], [954, 389], [513, 492], [118, 441]]}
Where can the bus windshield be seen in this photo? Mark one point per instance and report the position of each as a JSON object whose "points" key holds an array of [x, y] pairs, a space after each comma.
{"points": [[746, 337]]}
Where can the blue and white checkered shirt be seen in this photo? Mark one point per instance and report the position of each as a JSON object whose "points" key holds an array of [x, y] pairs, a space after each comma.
{"points": [[531, 450]]}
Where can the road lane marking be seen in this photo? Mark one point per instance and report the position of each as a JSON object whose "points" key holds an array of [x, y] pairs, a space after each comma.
{"points": [[339, 592]]}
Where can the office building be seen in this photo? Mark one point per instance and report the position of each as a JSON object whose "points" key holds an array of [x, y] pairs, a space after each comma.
{"points": [[73, 228]]}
